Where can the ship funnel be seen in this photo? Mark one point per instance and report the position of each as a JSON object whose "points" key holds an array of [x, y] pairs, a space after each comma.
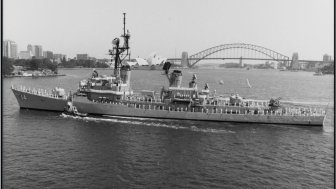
{"points": [[166, 67], [125, 74], [175, 79]]}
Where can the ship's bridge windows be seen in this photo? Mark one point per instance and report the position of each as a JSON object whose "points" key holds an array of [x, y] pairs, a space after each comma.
{"points": [[183, 93], [98, 83]]}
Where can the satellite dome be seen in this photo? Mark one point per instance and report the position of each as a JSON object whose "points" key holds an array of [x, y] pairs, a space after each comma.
{"points": [[115, 41]]}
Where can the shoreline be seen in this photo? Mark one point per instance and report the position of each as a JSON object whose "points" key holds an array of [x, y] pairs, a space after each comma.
{"points": [[10, 76]]}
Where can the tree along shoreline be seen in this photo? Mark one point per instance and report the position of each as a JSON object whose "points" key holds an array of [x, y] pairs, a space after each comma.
{"points": [[42, 64]]}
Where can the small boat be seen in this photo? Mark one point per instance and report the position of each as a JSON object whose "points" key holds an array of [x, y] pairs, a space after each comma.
{"points": [[70, 109], [248, 83], [282, 69]]}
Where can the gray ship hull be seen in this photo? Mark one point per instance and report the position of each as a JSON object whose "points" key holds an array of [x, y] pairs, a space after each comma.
{"points": [[124, 110], [30, 100], [37, 101]]}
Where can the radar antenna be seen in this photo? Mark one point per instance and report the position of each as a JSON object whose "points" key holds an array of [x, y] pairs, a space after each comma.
{"points": [[118, 50]]}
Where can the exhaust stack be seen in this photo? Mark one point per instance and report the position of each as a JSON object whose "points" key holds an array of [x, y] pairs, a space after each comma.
{"points": [[175, 79]]}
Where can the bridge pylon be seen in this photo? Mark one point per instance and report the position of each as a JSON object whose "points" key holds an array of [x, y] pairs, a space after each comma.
{"points": [[241, 64], [295, 61], [185, 59]]}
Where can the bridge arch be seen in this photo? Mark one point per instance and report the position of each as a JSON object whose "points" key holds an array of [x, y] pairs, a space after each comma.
{"points": [[273, 55]]}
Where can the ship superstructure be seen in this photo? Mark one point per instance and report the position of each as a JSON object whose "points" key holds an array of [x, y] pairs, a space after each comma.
{"points": [[116, 86]]}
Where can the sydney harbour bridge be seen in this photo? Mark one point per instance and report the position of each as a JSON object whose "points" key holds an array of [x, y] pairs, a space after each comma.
{"points": [[236, 51]]}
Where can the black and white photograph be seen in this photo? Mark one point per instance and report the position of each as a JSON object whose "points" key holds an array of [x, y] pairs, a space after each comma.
{"points": [[167, 94]]}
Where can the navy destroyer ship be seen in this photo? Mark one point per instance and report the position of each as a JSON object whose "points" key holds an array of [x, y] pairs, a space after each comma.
{"points": [[113, 96]]}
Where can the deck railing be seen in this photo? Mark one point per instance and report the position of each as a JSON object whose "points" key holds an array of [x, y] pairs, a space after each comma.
{"points": [[158, 105], [138, 102], [41, 92]]}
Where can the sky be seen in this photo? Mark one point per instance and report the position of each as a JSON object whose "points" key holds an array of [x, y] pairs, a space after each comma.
{"points": [[170, 27]]}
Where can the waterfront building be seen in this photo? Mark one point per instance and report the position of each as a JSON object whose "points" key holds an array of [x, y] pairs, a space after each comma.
{"points": [[104, 60], [59, 57], [48, 54], [274, 65], [25, 55], [318, 65], [311, 66], [9, 49], [82, 57], [303, 65], [92, 58], [323, 64]]}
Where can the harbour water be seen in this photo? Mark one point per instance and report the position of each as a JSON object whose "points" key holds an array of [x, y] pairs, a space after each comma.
{"points": [[49, 150]]}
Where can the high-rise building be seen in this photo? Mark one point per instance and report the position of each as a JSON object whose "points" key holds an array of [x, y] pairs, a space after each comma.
{"points": [[9, 49], [30, 48], [14, 50], [48, 54], [38, 51], [5, 49], [326, 58]]}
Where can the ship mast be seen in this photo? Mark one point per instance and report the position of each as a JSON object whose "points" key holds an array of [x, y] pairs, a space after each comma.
{"points": [[118, 50]]}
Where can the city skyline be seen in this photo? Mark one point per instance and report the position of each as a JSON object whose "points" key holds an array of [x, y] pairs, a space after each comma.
{"points": [[10, 50], [170, 28], [29, 51]]}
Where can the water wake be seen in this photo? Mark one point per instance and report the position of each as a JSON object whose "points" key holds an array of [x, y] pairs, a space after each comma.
{"points": [[141, 121], [134, 118]]}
